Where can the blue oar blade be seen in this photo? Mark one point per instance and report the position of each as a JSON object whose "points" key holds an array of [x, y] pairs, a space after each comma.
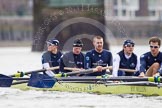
{"points": [[5, 81], [41, 81]]}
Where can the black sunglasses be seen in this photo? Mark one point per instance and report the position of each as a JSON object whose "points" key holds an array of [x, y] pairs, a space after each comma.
{"points": [[154, 46]]}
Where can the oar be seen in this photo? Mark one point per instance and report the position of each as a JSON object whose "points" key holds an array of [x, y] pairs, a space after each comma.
{"points": [[83, 71], [103, 68], [122, 69], [56, 75], [21, 74], [36, 71], [71, 69], [44, 80], [6, 81]]}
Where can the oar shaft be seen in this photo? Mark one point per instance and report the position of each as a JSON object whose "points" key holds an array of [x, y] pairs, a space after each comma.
{"points": [[71, 69], [15, 78], [126, 70], [81, 72], [111, 68], [40, 70]]}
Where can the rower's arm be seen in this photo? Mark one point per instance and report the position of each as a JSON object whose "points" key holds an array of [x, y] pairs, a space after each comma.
{"points": [[46, 58], [48, 72], [62, 65], [88, 62], [142, 64], [110, 63], [160, 69], [138, 64], [116, 62]]}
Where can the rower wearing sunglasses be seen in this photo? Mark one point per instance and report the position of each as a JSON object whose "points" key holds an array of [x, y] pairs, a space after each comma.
{"points": [[125, 59], [51, 57], [151, 61]]}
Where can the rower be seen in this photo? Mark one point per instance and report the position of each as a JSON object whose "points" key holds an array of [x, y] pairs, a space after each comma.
{"points": [[73, 59], [98, 57], [125, 59], [51, 57], [151, 61]]}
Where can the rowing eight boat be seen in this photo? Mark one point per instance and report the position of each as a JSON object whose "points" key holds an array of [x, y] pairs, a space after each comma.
{"points": [[143, 89], [131, 85]]}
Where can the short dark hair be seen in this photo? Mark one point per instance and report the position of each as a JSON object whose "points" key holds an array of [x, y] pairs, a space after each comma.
{"points": [[155, 39]]}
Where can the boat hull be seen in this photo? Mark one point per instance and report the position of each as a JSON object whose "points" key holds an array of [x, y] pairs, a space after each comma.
{"points": [[98, 88]]}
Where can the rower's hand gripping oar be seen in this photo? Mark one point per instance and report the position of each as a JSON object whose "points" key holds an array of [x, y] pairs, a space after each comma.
{"points": [[82, 71]]}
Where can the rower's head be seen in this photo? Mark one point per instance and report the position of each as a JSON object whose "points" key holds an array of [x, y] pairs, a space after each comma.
{"points": [[128, 46], [98, 43], [154, 43], [77, 46], [52, 44]]}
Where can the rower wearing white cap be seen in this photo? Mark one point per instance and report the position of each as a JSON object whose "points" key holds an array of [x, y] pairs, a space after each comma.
{"points": [[125, 59]]}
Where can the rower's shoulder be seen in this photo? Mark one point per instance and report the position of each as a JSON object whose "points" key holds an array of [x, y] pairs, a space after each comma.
{"points": [[67, 54], [145, 54], [90, 51], [45, 53], [107, 51], [148, 55], [160, 53]]}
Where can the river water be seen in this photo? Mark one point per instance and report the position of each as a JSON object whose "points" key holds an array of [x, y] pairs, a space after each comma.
{"points": [[22, 59]]}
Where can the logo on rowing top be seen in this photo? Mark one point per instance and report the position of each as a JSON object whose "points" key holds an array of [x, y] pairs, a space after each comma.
{"points": [[87, 58], [132, 65]]}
